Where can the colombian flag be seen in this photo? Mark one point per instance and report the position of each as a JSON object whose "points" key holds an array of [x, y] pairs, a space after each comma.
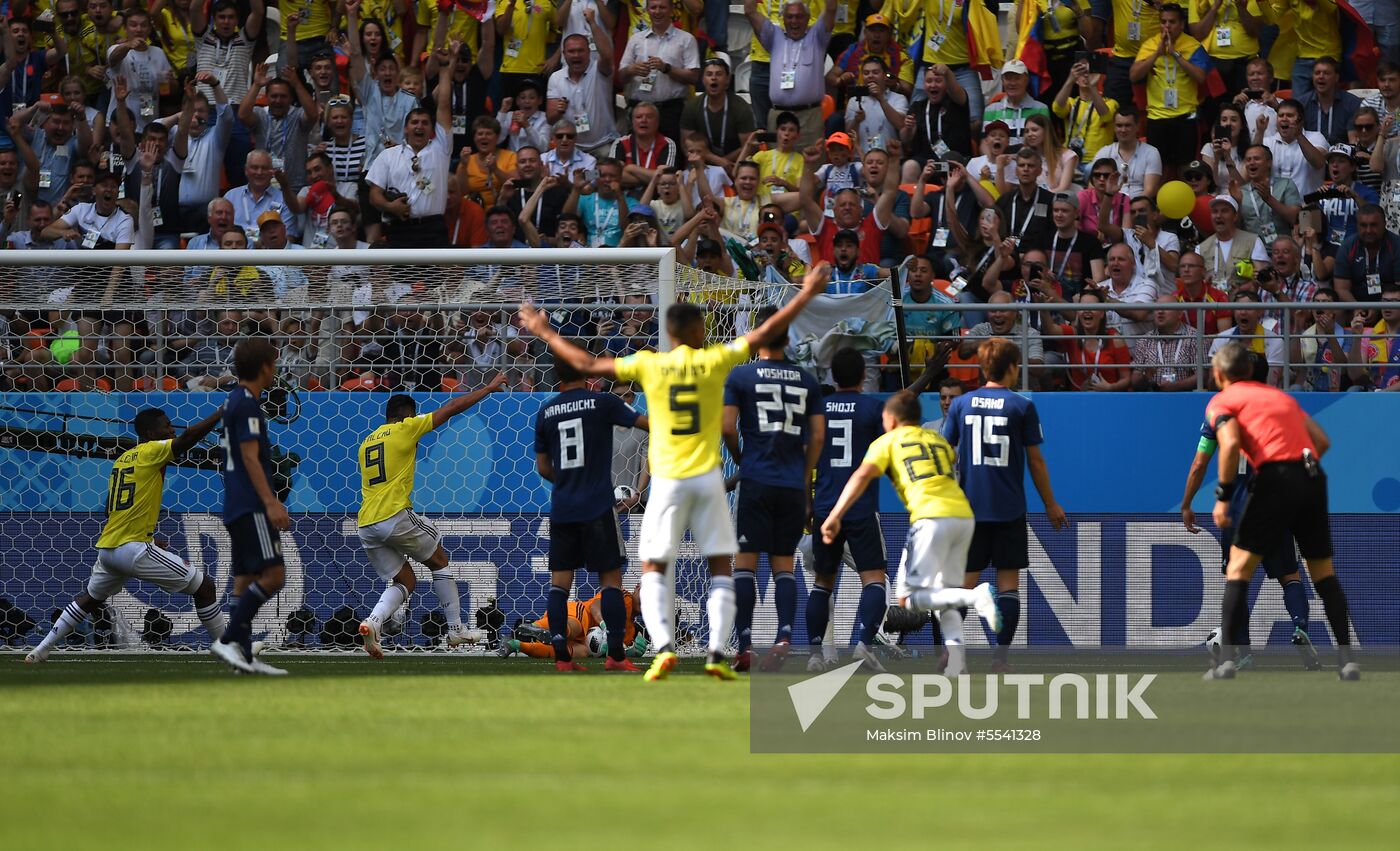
{"points": [[983, 38], [1360, 55], [1029, 47]]}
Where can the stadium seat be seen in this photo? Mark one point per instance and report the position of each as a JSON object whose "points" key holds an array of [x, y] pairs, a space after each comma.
{"points": [[169, 383], [450, 385]]}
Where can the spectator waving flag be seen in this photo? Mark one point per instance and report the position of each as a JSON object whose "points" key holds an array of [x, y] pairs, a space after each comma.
{"points": [[482, 10], [983, 38], [1030, 49]]}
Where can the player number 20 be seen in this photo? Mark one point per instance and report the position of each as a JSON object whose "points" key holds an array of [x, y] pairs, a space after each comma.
{"points": [[781, 407], [922, 452], [121, 490], [985, 435]]}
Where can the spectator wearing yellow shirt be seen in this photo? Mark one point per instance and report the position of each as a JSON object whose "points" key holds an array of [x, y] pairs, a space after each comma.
{"points": [[945, 41], [1065, 27], [780, 168], [177, 36], [1229, 30], [525, 30], [102, 31], [843, 34], [1134, 22], [1316, 27], [1174, 65], [391, 13], [312, 26], [1088, 115], [460, 27]]}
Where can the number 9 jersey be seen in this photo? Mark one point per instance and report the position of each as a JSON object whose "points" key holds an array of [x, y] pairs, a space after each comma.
{"points": [[386, 468], [991, 428], [920, 464]]}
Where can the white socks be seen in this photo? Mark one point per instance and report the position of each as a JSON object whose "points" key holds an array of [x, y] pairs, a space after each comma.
{"points": [[951, 622], [445, 588], [213, 618], [657, 608], [720, 607], [68, 620], [931, 599], [389, 602]]}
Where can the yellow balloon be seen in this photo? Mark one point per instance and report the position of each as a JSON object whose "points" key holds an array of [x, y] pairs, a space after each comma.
{"points": [[1176, 200]]}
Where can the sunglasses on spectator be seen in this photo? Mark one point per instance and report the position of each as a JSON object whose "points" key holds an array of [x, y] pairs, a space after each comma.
{"points": [[1369, 125], [415, 164], [338, 100], [565, 135], [72, 14], [1101, 175]]}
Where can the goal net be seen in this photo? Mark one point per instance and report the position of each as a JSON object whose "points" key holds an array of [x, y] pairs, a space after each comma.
{"points": [[87, 346]]}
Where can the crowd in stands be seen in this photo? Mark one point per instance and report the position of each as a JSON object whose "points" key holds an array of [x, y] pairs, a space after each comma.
{"points": [[900, 140]]}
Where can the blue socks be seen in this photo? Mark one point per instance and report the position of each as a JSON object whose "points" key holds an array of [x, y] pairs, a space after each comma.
{"points": [[818, 613], [240, 622], [1295, 600], [785, 599], [615, 616], [557, 609], [745, 598], [1009, 602], [871, 611]]}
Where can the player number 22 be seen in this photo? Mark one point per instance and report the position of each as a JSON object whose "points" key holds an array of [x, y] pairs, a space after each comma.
{"points": [[985, 436], [777, 413]]}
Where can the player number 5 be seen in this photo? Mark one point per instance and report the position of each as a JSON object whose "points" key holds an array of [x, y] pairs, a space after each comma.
{"points": [[690, 409]]}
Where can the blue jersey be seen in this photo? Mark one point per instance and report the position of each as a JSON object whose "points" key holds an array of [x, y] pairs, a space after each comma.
{"points": [[1208, 444], [852, 423], [991, 429], [243, 421], [774, 398], [575, 429]]}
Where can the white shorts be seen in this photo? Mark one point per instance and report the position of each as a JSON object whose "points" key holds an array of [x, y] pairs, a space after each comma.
{"points": [[935, 554], [144, 561], [697, 503], [390, 542]]}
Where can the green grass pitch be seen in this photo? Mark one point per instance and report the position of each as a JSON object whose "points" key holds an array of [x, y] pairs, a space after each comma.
{"points": [[410, 753]]}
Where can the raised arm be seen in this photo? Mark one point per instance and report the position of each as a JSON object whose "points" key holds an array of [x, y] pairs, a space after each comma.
{"points": [[811, 196], [186, 439], [357, 57], [458, 404], [257, 11], [756, 19], [181, 143], [537, 323], [444, 87]]}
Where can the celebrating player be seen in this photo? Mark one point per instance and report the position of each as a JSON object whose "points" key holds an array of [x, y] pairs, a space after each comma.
{"points": [[775, 406], [997, 433], [1288, 496], [920, 464], [1280, 564], [127, 548], [253, 514], [574, 451], [390, 531], [853, 422], [685, 391]]}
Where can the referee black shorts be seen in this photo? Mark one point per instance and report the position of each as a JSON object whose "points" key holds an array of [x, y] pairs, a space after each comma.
{"points": [[1285, 499], [256, 545], [593, 544], [1002, 544], [769, 519]]}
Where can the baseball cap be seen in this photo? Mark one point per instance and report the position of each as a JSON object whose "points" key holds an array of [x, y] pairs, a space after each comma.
{"points": [[839, 138], [641, 210], [1015, 66], [1341, 149], [846, 235], [996, 125], [106, 176], [1225, 199], [717, 60], [877, 20], [773, 226], [270, 216], [1196, 167], [530, 83]]}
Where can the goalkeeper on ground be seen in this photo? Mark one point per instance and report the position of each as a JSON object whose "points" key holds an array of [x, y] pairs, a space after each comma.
{"points": [[534, 639]]}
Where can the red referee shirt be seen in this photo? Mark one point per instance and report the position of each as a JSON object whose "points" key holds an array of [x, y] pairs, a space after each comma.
{"points": [[1271, 423]]}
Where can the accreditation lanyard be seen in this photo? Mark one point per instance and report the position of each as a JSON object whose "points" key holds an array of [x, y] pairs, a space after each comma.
{"points": [[282, 134], [1171, 70], [952, 7], [717, 145], [1030, 214], [1176, 356], [929, 125], [601, 222], [1330, 114], [1054, 247], [1078, 129]]}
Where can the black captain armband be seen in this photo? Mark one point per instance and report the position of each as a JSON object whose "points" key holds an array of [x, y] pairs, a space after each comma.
{"points": [[1225, 491]]}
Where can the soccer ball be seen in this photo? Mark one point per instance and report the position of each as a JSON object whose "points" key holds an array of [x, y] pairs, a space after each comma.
{"points": [[597, 641], [622, 492]]}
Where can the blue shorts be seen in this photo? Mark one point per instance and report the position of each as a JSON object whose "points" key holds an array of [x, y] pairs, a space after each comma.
{"points": [[593, 544], [770, 519], [865, 538], [256, 545]]}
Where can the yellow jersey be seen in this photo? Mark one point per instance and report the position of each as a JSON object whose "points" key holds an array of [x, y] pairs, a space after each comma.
{"points": [[1317, 29], [1228, 38], [919, 463], [1171, 92], [315, 17], [384, 12], [134, 492], [460, 26], [775, 163], [945, 32], [532, 28], [1134, 22], [685, 404], [1086, 131], [906, 21], [386, 468]]}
